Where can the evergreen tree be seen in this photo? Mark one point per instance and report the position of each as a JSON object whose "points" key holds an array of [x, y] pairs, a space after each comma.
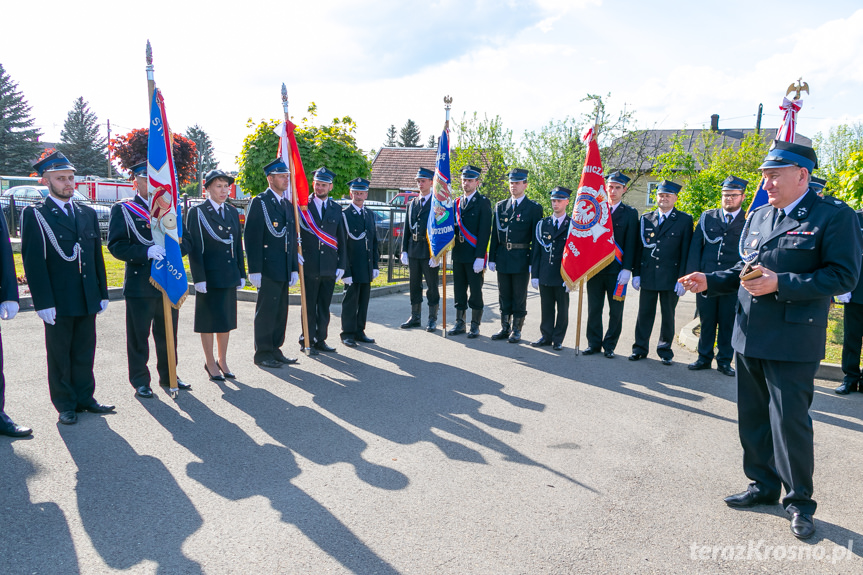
{"points": [[392, 134], [409, 136], [432, 143], [205, 161], [19, 140], [81, 143]]}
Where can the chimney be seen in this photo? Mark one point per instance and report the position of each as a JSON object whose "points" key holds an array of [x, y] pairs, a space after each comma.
{"points": [[714, 122]]}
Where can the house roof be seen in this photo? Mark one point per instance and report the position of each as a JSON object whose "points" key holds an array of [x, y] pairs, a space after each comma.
{"points": [[396, 168], [635, 152]]}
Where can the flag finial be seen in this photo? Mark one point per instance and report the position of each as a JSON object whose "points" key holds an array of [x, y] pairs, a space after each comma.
{"points": [[285, 98], [801, 86]]}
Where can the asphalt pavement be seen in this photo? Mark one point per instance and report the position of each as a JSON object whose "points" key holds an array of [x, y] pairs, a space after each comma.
{"points": [[417, 454]]}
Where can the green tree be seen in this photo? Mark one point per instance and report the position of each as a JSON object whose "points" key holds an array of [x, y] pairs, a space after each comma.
{"points": [[433, 142], [333, 146], [392, 137], [839, 154], [81, 143], [484, 143], [205, 160], [409, 135], [555, 157], [849, 185], [19, 140]]}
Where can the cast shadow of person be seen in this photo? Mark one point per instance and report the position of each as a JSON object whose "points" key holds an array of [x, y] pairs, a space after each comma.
{"points": [[34, 537], [130, 505], [409, 407], [235, 467]]}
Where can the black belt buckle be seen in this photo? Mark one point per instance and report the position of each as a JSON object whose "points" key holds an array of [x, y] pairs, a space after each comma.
{"points": [[508, 246], [461, 239], [416, 237]]}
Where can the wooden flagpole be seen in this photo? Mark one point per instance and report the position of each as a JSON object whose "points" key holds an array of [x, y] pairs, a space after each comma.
{"points": [[447, 101], [307, 341], [167, 312]]}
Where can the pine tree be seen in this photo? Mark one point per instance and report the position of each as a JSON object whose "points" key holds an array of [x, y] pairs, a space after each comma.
{"points": [[432, 143], [392, 134], [19, 140], [409, 136], [205, 161], [81, 143]]}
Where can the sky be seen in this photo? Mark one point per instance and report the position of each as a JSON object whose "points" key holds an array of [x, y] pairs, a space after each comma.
{"points": [[218, 64]]}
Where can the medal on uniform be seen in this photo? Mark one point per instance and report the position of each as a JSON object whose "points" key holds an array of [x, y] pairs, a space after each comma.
{"points": [[275, 224]]}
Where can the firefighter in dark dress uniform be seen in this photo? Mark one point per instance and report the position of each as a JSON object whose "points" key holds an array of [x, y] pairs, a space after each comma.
{"points": [[852, 337], [416, 254], [473, 229], [323, 264], [362, 266], [714, 247], [798, 251], [270, 238], [130, 239], [513, 227], [610, 282], [546, 256], [61, 247]]}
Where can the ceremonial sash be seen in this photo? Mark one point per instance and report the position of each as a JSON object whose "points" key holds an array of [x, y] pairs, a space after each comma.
{"points": [[618, 253], [465, 233], [313, 227], [136, 209], [619, 289]]}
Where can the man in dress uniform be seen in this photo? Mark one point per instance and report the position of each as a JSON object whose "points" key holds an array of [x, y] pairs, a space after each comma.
{"points": [[61, 249], [546, 257], [714, 248], [8, 310], [665, 237], [270, 239], [362, 267], [798, 251], [416, 254], [611, 281], [852, 338], [513, 229], [130, 239], [324, 259], [473, 218]]}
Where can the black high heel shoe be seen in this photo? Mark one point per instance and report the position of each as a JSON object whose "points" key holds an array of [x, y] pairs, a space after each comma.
{"points": [[227, 374], [211, 376]]}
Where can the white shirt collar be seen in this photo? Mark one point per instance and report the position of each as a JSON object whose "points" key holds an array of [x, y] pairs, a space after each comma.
{"points": [[467, 197], [214, 204], [790, 207], [357, 208], [279, 197], [663, 214], [143, 199], [733, 214], [62, 203], [614, 206]]}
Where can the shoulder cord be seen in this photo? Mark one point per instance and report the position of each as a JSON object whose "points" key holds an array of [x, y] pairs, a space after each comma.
{"points": [[545, 246], [413, 226], [652, 246], [206, 225], [130, 227], [273, 231], [741, 246], [46, 230], [718, 240], [362, 236]]}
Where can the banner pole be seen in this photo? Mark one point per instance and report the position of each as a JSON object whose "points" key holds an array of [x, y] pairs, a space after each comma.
{"points": [[578, 323]]}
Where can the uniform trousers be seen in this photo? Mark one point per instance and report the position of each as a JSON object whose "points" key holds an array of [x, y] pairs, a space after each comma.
{"points": [[3, 417], [464, 278], [773, 399], [71, 347], [419, 268], [319, 295], [355, 309], [512, 293], [600, 288], [647, 315], [551, 297], [852, 340], [142, 313], [271, 319], [716, 312]]}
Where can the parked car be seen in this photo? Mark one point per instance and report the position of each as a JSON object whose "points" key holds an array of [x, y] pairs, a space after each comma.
{"points": [[383, 213], [402, 198], [26, 195]]}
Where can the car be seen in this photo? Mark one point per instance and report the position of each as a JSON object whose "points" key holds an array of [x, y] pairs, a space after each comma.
{"points": [[26, 195], [401, 199], [241, 205], [383, 214]]}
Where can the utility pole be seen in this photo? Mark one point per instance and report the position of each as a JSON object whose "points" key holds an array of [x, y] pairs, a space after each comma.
{"points": [[109, 148], [758, 120]]}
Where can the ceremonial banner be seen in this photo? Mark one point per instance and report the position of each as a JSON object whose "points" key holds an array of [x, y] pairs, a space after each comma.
{"points": [[785, 134], [590, 243], [166, 221], [441, 224]]}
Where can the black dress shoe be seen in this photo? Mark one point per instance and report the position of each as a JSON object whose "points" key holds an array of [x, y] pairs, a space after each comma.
{"points": [[14, 430], [540, 342], [180, 384], [667, 361], [98, 408], [363, 338], [609, 353], [725, 369], [271, 363], [637, 356], [802, 525], [322, 346], [750, 499], [557, 346], [227, 374], [212, 377], [144, 391], [350, 342], [68, 418], [589, 350], [698, 364], [846, 387], [286, 360]]}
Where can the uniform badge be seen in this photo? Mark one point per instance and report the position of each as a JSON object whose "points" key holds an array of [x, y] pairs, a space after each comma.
{"points": [[518, 217], [548, 236], [505, 220], [754, 243], [802, 211], [275, 224], [220, 228], [148, 226]]}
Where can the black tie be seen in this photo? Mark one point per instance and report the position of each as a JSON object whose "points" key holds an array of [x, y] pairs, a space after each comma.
{"points": [[780, 215], [69, 212], [727, 219], [661, 219], [222, 212], [556, 224]]}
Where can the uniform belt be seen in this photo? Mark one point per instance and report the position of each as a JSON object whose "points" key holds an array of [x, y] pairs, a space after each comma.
{"points": [[510, 246]]}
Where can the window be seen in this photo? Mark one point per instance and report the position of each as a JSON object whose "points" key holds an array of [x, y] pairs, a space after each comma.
{"points": [[651, 193]]}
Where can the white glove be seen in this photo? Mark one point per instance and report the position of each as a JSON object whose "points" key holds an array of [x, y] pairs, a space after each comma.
{"points": [[404, 258], [104, 305], [339, 274], [375, 274], [529, 269], [348, 280], [156, 252], [478, 264], [566, 288], [433, 263], [242, 283], [534, 283], [9, 309], [636, 283], [623, 277], [295, 277], [492, 267], [201, 287], [844, 298], [301, 259], [47, 315], [679, 289], [255, 280]]}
